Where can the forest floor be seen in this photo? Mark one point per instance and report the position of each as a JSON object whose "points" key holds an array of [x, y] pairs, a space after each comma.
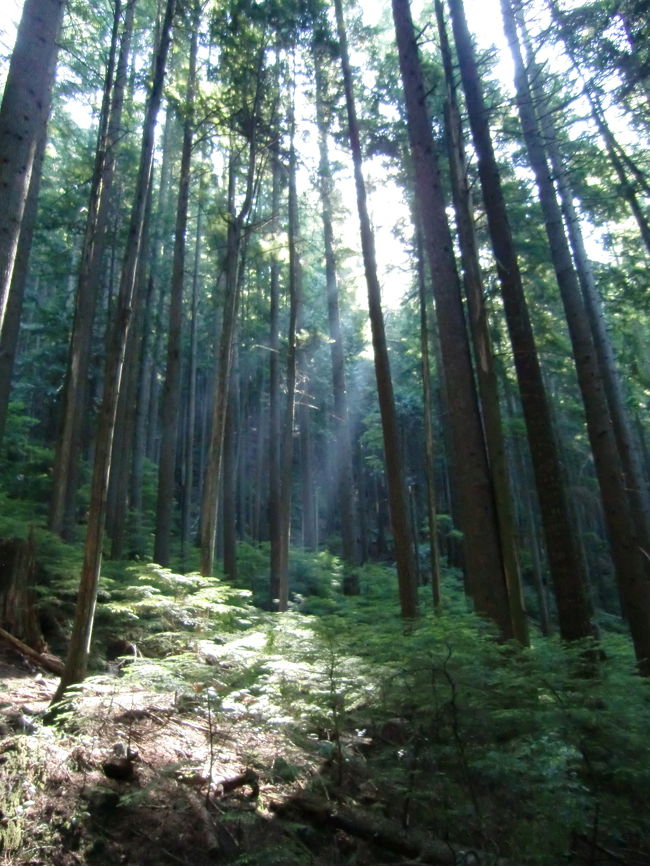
{"points": [[146, 777]]}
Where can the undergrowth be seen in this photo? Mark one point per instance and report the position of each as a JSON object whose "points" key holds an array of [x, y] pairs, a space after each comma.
{"points": [[529, 754]]}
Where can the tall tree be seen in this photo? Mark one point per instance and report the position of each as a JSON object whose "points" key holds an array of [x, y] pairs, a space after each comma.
{"points": [[627, 440], [478, 520], [397, 498], [565, 562], [171, 389], [23, 117], [480, 333], [79, 646], [344, 465], [74, 411], [625, 528]]}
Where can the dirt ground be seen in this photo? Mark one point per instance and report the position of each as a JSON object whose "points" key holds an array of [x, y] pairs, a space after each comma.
{"points": [[132, 776]]}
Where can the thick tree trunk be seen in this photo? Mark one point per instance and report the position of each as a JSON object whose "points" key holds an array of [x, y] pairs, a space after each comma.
{"points": [[484, 571], [398, 502], [627, 442], [18, 613], [23, 118], [479, 329], [566, 565], [625, 532], [172, 387], [77, 657]]}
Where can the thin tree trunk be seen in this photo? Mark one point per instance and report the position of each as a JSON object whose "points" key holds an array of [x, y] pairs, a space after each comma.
{"points": [[429, 439], [344, 464], [230, 460], [189, 472], [172, 386], [295, 302], [274, 405], [398, 502], [236, 220], [565, 563], [77, 657], [75, 393]]}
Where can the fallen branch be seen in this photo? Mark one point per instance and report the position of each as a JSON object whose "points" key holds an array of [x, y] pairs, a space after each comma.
{"points": [[45, 660], [387, 837]]}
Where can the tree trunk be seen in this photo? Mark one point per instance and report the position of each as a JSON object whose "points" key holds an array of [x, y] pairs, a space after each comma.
{"points": [[23, 118], [287, 434], [274, 405], [189, 469], [484, 572], [566, 566], [236, 221], [624, 529], [229, 473], [429, 446], [75, 392], [398, 503], [479, 329], [627, 442], [172, 386], [13, 313], [344, 478], [77, 657], [18, 613]]}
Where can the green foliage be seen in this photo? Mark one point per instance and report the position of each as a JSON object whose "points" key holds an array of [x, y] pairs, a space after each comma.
{"points": [[149, 598]]}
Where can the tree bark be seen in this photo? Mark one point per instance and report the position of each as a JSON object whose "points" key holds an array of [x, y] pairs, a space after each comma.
{"points": [[287, 433], [77, 657], [625, 533], [398, 503], [429, 441], [344, 465], [274, 403], [627, 442], [565, 563], [479, 329], [236, 222], [24, 113], [75, 392], [484, 574], [13, 314], [171, 389]]}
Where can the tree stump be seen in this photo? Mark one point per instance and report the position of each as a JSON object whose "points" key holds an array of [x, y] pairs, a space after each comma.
{"points": [[18, 610]]}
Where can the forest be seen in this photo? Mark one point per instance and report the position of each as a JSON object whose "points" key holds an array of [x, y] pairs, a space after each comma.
{"points": [[324, 432]]}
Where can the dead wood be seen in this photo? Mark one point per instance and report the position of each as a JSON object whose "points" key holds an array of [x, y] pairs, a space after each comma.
{"points": [[248, 777], [49, 662], [388, 836]]}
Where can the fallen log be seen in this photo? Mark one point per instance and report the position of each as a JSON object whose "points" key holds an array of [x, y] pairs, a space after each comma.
{"points": [[248, 777], [49, 662], [388, 836]]}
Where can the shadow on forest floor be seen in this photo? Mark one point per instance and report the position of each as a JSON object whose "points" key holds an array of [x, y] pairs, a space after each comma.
{"points": [[148, 778]]}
